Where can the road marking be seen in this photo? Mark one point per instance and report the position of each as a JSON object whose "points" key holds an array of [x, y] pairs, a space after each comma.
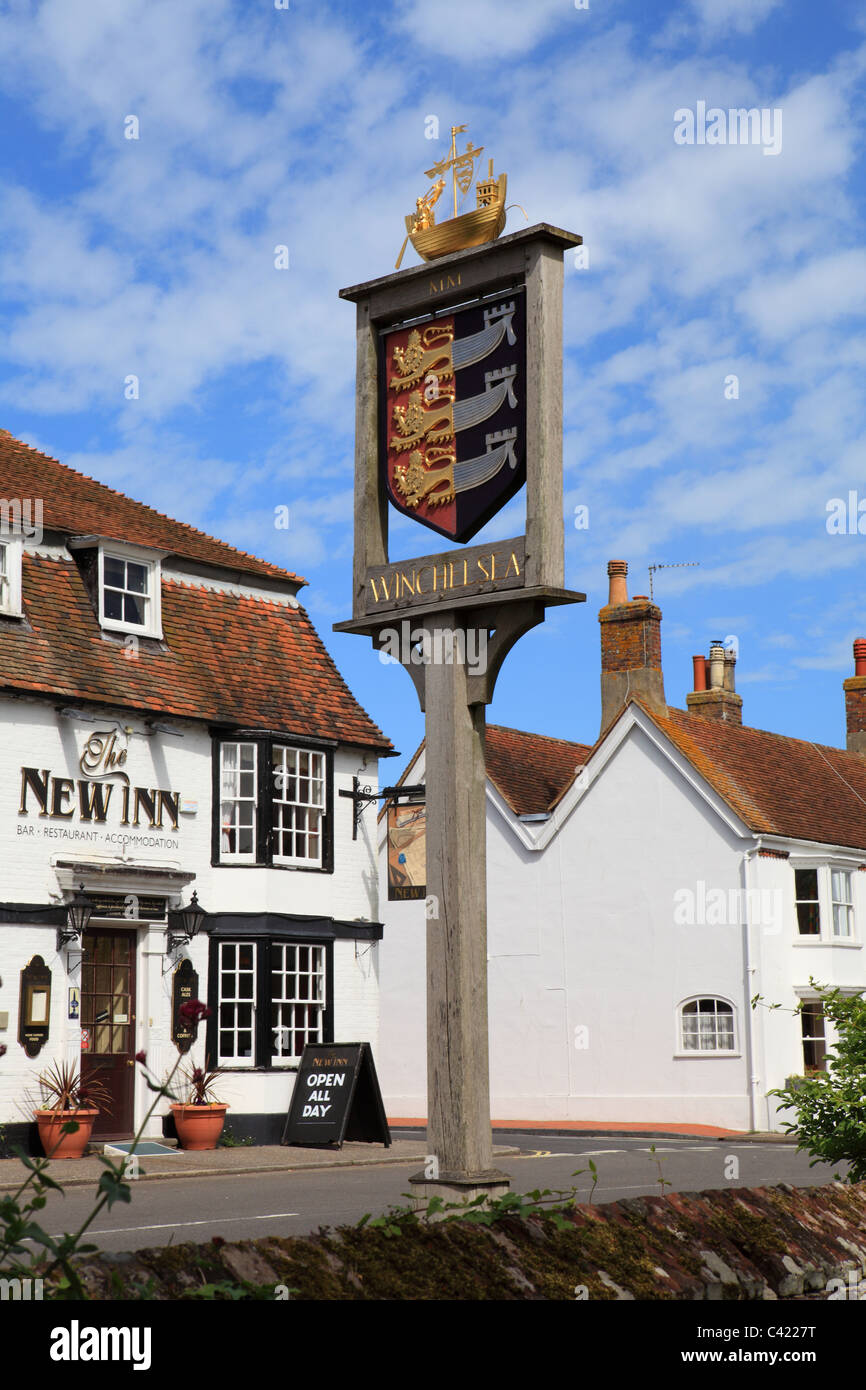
{"points": [[169, 1225], [571, 1153]]}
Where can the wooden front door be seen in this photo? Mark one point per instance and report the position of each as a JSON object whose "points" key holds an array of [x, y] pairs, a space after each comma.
{"points": [[108, 1015]]}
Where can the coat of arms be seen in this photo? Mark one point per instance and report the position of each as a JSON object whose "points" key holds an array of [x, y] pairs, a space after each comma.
{"points": [[453, 434]]}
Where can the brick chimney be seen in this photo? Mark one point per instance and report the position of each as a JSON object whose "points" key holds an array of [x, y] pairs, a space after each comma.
{"points": [[631, 651], [855, 701], [714, 695]]}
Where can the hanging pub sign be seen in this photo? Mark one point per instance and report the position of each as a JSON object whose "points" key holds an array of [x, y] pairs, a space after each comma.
{"points": [[453, 434], [34, 1010], [407, 851], [184, 989], [336, 1097]]}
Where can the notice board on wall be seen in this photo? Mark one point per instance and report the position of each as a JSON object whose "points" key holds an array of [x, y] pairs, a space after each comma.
{"points": [[336, 1097]]}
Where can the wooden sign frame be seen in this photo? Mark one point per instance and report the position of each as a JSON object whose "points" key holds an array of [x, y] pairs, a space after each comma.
{"points": [[530, 260]]}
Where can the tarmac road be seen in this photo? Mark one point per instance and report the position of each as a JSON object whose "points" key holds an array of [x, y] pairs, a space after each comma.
{"points": [[247, 1206]]}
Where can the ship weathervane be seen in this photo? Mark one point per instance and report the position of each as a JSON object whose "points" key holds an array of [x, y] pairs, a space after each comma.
{"points": [[485, 222]]}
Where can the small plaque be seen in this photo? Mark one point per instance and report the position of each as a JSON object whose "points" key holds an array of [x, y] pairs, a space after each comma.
{"points": [[184, 989]]}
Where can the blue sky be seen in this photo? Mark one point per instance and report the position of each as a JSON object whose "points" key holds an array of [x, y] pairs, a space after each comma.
{"points": [[306, 127]]}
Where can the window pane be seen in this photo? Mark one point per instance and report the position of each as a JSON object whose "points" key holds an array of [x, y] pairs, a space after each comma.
{"points": [[136, 577], [112, 605], [133, 609], [806, 884], [707, 1025], [114, 572]]}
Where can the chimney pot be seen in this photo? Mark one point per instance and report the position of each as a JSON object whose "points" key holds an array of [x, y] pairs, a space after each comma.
{"points": [[860, 656], [714, 696], [730, 663], [717, 665], [617, 571]]}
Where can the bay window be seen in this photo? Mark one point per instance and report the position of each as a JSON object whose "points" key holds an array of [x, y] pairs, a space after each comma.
{"points": [[272, 999], [273, 802]]}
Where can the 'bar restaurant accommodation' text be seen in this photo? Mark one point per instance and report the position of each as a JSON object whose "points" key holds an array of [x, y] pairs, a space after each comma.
{"points": [[171, 723]]}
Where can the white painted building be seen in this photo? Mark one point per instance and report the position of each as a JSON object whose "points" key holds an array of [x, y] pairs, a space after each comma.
{"points": [[170, 722], [641, 892]]}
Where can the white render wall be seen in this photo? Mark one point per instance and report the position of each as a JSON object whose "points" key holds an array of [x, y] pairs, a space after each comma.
{"points": [[33, 734], [587, 964]]}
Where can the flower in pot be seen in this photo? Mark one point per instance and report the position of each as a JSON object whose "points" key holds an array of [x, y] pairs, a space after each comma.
{"points": [[67, 1101], [200, 1116], [199, 1119]]}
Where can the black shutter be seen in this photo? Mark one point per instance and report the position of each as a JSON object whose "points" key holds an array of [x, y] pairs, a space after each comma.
{"points": [[328, 818], [211, 1043], [328, 1020], [264, 803], [263, 1038]]}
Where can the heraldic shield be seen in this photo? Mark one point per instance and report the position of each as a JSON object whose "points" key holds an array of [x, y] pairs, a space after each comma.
{"points": [[453, 415]]}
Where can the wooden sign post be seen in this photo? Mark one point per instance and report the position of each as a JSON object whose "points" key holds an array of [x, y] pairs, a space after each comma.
{"points": [[459, 398]]}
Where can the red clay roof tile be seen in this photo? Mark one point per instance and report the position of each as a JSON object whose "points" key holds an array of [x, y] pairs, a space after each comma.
{"points": [[233, 659], [77, 505], [531, 770]]}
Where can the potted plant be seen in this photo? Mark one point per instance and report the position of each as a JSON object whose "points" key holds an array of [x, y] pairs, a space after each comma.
{"points": [[67, 1098], [199, 1119]]}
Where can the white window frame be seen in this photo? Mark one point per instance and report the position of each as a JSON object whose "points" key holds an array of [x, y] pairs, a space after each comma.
{"points": [[808, 936], [813, 1001], [12, 549], [828, 903], [227, 856], [286, 1006], [318, 783], [729, 1010], [153, 596], [230, 1059], [845, 905]]}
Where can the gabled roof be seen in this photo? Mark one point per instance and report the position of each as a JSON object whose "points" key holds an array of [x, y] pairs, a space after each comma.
{"points": [[76, 505], [230, 659], [531, 770], [776, 784]]}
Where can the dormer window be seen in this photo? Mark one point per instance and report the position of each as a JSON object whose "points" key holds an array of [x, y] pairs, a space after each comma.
{"points": [[129, 592], [10, 577]]}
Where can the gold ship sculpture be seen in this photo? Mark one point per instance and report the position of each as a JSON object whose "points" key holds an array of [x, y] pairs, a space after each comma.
{"points": [[484, 223]]}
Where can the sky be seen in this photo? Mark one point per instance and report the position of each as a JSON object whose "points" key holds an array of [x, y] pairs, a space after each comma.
{"points": [[714, 347]]}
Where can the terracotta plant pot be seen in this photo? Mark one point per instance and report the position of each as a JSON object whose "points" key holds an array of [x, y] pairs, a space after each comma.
{"points": [[57, 1145], [199, 1126]]}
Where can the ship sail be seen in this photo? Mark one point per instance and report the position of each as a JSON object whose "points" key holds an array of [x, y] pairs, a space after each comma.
{"points": [[474, 472]]}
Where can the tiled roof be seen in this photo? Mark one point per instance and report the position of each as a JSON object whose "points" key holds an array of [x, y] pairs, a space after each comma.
{"points": [[776, 784], [77, 505], [531, 770], [233, 659]]}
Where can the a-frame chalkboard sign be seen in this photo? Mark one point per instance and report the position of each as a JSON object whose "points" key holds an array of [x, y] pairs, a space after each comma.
{"points": [[336, 1097]]}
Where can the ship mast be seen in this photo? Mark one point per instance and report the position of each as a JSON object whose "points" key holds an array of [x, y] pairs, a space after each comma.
{"points": [[455, 131]]}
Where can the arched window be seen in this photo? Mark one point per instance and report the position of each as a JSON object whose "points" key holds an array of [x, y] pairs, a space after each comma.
{"points": [[707, 1025]]}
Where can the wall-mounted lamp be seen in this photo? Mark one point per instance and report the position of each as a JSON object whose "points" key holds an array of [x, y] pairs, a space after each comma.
{"points": [[184, 923], [79, 910]]}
